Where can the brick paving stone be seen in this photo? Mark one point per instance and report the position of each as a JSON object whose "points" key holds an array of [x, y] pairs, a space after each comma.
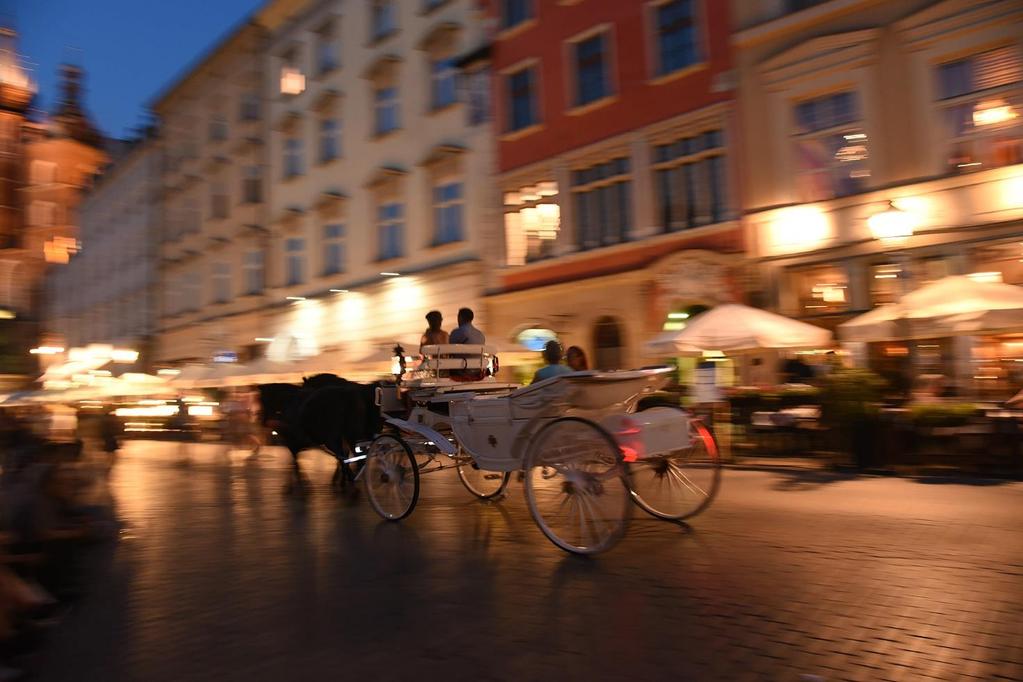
{"points": [[219, 576]]}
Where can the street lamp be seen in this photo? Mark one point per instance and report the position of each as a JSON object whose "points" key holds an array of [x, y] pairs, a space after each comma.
{"points": [[891, 224]]}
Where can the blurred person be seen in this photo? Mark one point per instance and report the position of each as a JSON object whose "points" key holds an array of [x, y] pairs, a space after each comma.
{"points": [[434, 335], [110, 433], [180, 424], [553, 368], [576, 359], [466, 333]]}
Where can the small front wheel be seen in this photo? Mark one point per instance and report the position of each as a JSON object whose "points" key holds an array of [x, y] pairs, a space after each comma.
{"points": [[392, 477], [577, 487], [485, 485]]}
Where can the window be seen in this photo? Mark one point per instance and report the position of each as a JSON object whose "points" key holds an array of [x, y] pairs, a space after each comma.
{"points": [[389, 230], [477, 88], [384, 19], [515, 12], [981, 101], [447, 213], [830, 147], [819, 289], [253, 266], [294, 265], [430, 5], [42, 213], [248, 107], [677, 45], [292, 78], [386, 109], [252, 185], [887, 283], [326, 49], [218, 201], [42, 172], [292, 157], [442, 83], [522, 99], [218, 128], [329, 140], [221, 280], [602, 203], [692, 181], [333, 249], [532, 222], [591, 70]]}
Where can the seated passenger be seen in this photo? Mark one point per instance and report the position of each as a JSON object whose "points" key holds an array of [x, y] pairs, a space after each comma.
{"points": [[434, 335], [465, 333], [553, 368]]}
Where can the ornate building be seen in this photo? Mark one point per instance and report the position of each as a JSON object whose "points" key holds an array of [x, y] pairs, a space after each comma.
{"points": [[44, 165]]}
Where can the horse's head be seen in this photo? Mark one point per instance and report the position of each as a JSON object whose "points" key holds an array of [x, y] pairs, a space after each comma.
{"points": [[274, 399], [318, 381]]}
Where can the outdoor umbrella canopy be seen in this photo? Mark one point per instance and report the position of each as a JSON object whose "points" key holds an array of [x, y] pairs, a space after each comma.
{"points": [[948, 307], [733, 327]]}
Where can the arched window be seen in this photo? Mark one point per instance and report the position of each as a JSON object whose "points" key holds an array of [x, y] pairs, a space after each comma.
{"points": [[607, 340]]}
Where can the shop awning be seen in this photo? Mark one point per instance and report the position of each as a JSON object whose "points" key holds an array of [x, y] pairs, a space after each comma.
{"points": [[952, 306], [733, 328]]}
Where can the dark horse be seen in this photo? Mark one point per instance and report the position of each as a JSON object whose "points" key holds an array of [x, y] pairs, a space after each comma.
{"points": [[325, 412]]}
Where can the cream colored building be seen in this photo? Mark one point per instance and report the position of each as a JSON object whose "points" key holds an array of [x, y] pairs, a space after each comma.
{"points": [[215, 236], [857, 112], [381, 203]]}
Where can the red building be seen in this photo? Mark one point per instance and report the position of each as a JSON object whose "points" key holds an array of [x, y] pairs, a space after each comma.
{"points": [[614, 123]]}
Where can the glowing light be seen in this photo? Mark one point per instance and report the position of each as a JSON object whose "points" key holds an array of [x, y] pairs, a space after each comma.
{"points": [[7, 314], [263, 339], [390, 274], [292, 81], [993, 112], [124, 355], [892, 224], [855, 136], [678, 316], [547, 189], [529, 194], [339, 291], [46, 350], [168, 372], [294, 298], [800, 228], [992, 277]]}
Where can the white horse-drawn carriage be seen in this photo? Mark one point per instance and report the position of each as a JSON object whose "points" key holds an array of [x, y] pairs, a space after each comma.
{"points": [[587, 452]]}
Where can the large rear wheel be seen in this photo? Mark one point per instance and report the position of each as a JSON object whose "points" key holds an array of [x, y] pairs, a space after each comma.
{"points": [[576, 486], [392, 477], [680, 484]]}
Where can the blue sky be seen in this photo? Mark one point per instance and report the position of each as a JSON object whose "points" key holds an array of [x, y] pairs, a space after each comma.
{"points": [[130, 50]]}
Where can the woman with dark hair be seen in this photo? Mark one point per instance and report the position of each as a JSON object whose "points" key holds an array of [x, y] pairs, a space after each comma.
{"points": [[576, 359]]}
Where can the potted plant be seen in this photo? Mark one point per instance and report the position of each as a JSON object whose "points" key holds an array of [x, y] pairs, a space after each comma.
{"points": [[850, 407]]}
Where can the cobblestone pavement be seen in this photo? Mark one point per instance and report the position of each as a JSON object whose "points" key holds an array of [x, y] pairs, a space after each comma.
{"points": [[796, 576]]}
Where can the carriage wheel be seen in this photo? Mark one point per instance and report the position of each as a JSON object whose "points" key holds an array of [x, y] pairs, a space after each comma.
{"points": [[485, 485], [577, 486], [679, 484], [392, 477]]}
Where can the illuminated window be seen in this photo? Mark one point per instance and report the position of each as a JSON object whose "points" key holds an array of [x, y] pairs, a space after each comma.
{"points": [[447, 213], [692, 181], [522, 99], [819, 289], [591, 72], [292, 78], [390, 231], [60, 249], [532, 222], [294, 264], [333, 249], [385, 109], [830, 147], [887, 282], [603, 205], [677, 45], [981, 101]]}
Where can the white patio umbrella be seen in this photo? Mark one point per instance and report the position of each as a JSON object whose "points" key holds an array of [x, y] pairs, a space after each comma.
{"points": [[733, 328], [951, 306]]}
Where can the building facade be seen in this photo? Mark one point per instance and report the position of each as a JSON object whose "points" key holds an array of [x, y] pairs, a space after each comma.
{"points": [[616, 129], [381, 202], [107, 293], [46, 161], [858, 116]]}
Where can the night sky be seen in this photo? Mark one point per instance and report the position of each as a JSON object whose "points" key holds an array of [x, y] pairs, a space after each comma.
{"points": [[130, 49]]}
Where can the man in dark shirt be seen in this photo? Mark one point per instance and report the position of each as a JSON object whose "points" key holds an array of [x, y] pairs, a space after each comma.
{"points": [[466, 333]]}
